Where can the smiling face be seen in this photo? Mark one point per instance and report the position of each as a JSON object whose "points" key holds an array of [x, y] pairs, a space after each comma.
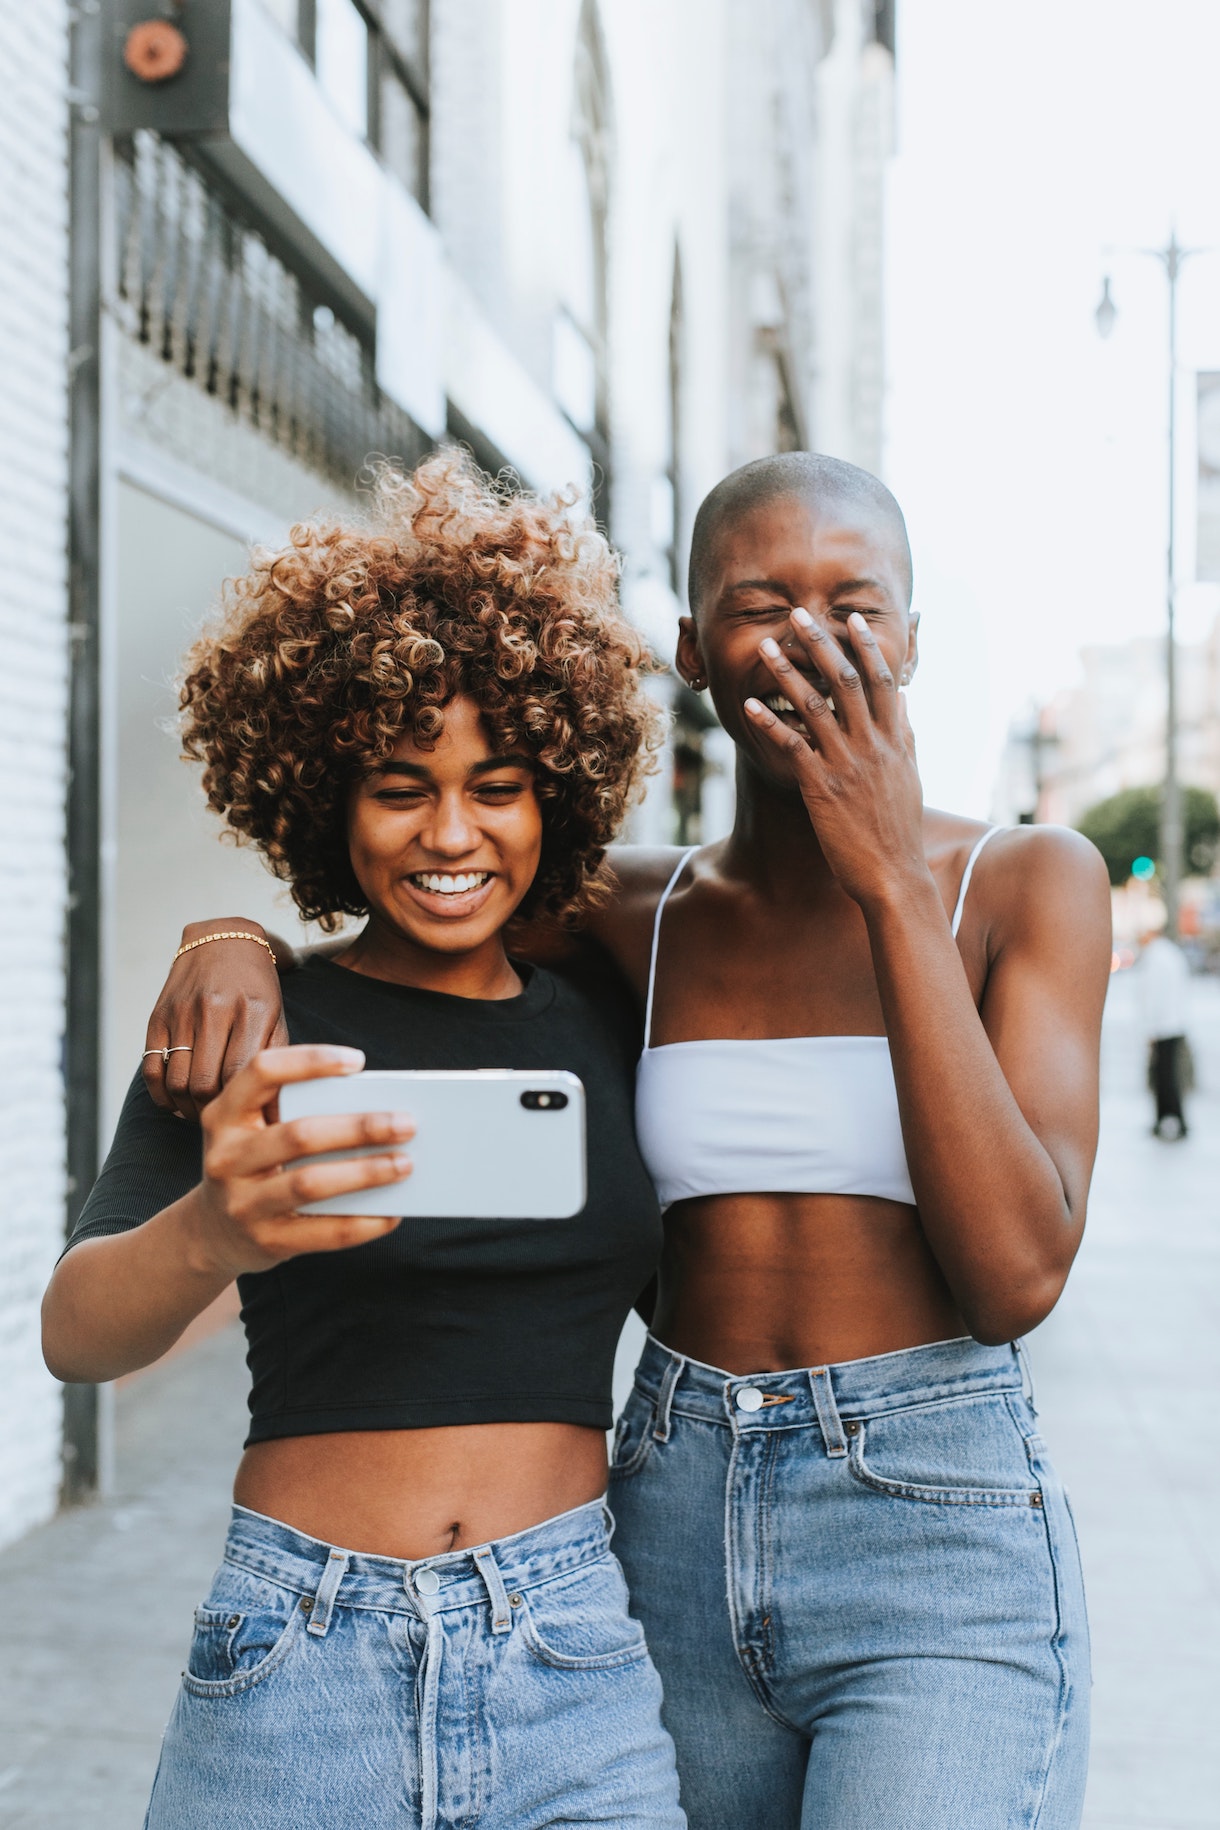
{"points": [[445, 842], [827, 556]]}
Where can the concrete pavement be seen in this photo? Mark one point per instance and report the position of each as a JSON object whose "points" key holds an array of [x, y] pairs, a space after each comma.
{"points": [[1128, 1381], [95, 1608]]}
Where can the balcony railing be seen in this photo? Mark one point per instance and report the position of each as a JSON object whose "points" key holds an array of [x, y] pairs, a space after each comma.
{"points": [[199, 284]]}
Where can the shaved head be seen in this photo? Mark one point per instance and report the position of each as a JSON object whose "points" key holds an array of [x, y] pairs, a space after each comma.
{"points": [[825, 482]]}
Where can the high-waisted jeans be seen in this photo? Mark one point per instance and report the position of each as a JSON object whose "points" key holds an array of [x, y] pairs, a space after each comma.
{"points": [[505, 1687], [904, 1641]]}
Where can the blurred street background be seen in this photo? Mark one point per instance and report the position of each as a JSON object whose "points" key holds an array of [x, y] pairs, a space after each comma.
{"points": [[625, 246]]}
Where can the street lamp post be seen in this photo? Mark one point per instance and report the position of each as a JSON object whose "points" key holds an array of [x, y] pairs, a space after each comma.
{"points": [[1172, 258]]}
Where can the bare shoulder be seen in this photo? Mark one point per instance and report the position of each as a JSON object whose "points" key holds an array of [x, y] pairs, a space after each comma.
{"points": [[1041, 860], [1045, 889], [638, 869], [636, 876]]}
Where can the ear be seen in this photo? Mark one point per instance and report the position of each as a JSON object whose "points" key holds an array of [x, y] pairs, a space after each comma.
{"points": [[689, 658], [911, 660]]}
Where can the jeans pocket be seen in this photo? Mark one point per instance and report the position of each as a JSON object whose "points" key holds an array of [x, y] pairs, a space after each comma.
{"points": [[633, 1437], [953, 1452], [579, 1621], [243, 1633]]}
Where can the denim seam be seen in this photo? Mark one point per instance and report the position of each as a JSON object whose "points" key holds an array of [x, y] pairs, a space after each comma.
{"points": [[597, 1661], [857, 1412], [636, 1460], [730, 1572], [1057, 1649], [924, 1493], [221, 1688], [476, 1599]]}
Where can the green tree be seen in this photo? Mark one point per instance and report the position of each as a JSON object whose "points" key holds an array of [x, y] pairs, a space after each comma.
{"points": [[1128, 826]]}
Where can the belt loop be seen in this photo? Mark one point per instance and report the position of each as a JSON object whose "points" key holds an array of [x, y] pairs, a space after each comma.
{"points": [[324, 1595], [665, 1397], [827, 1410], [1027, 1374], [489, 1569]]}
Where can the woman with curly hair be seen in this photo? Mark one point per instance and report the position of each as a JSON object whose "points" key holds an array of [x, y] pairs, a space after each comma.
{"points": [[868, 1099], [436, 722]]}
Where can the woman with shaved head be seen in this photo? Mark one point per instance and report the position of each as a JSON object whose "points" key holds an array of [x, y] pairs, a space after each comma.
{"points": [[868, 1099]]}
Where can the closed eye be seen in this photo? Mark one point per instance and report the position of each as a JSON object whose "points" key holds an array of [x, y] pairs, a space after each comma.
{"points": [[400, 797], [752, 613], [498, 793]]}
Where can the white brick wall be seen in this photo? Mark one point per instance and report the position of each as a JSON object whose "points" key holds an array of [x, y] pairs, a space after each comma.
{"points": [[33, 480]]}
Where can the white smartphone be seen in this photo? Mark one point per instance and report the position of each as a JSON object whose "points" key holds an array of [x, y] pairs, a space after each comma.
{"points": [[489, 1144]]}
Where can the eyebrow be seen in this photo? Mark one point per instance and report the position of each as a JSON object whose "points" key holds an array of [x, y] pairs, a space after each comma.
{"points": [[843, 589], [856, 584], [512, 759], [757, 584]]}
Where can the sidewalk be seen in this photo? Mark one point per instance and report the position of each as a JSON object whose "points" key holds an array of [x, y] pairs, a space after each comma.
{"points": [[1128, 1384], [97, 1605]]}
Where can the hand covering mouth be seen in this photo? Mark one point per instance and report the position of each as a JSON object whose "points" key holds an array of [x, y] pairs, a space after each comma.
{"points": [[449, 883], [777, 703]]}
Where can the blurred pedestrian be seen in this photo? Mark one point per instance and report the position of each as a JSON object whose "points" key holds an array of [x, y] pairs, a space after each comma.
{"points": [[868, 1097], [1163, 975], [436, 721]]}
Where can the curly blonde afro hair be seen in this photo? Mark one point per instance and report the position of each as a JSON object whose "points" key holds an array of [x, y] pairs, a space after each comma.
{"points": [[325, 655]]}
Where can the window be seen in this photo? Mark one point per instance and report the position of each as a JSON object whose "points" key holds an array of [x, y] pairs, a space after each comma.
{"points": [[399, 91], [405, 24], [371, 61], [579, 347], [401, 130], [673, 469], [341, 60]]}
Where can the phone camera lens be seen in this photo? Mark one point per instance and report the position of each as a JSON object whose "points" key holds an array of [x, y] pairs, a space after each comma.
{"points": [[544, 1102]]}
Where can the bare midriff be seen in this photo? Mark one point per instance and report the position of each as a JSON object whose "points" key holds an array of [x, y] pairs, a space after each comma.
{"points": [[419, 1493], [763, 1283]]}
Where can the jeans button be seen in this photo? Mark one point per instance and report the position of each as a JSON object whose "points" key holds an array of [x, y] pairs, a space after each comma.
{"points": [[749, 1398], [427, 1582]]}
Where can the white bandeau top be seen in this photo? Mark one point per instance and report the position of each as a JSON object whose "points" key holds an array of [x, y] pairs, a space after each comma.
{"points": [[813, 1115]]}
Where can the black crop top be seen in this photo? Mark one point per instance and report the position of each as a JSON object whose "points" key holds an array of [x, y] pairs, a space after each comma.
{"points": [[436, 1323]]}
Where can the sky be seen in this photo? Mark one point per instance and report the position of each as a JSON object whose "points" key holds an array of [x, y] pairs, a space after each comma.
{"points": [[1040, 147]]}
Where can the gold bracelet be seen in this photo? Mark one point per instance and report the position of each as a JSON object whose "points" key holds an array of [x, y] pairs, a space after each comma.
{"points": [[227, 934]]}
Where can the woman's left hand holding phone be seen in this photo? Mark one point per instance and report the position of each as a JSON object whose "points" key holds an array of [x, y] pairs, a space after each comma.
{"points": [[115, 1304], [255, 1180]]}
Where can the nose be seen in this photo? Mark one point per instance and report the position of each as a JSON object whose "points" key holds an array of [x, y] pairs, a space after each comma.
{"points": [[451, 832]]}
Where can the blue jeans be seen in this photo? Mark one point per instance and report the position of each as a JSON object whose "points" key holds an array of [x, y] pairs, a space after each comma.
{"points": [[904, 1642], [505, 1686]]}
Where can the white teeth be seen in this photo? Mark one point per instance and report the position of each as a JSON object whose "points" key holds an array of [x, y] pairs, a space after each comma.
{"points": [[442, 884], [775, 702]]}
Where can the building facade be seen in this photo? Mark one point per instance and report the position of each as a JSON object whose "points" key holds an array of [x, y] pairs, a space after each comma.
{"points": [[1108, 733], [34, 637], [592, 242]]}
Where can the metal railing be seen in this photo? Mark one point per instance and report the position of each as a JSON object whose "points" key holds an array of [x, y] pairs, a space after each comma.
{"points": [[200, 285]]}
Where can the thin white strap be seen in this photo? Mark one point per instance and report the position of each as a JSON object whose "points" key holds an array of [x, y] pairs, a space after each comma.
{"points": [[679, 867], [971, 861]]}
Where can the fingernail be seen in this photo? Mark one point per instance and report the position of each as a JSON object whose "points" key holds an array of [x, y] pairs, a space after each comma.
{"points": [[350, 1059], [401, 1126], [770, 646], [857, 621], [755, 706], [803, 618], [402, 1165]]}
